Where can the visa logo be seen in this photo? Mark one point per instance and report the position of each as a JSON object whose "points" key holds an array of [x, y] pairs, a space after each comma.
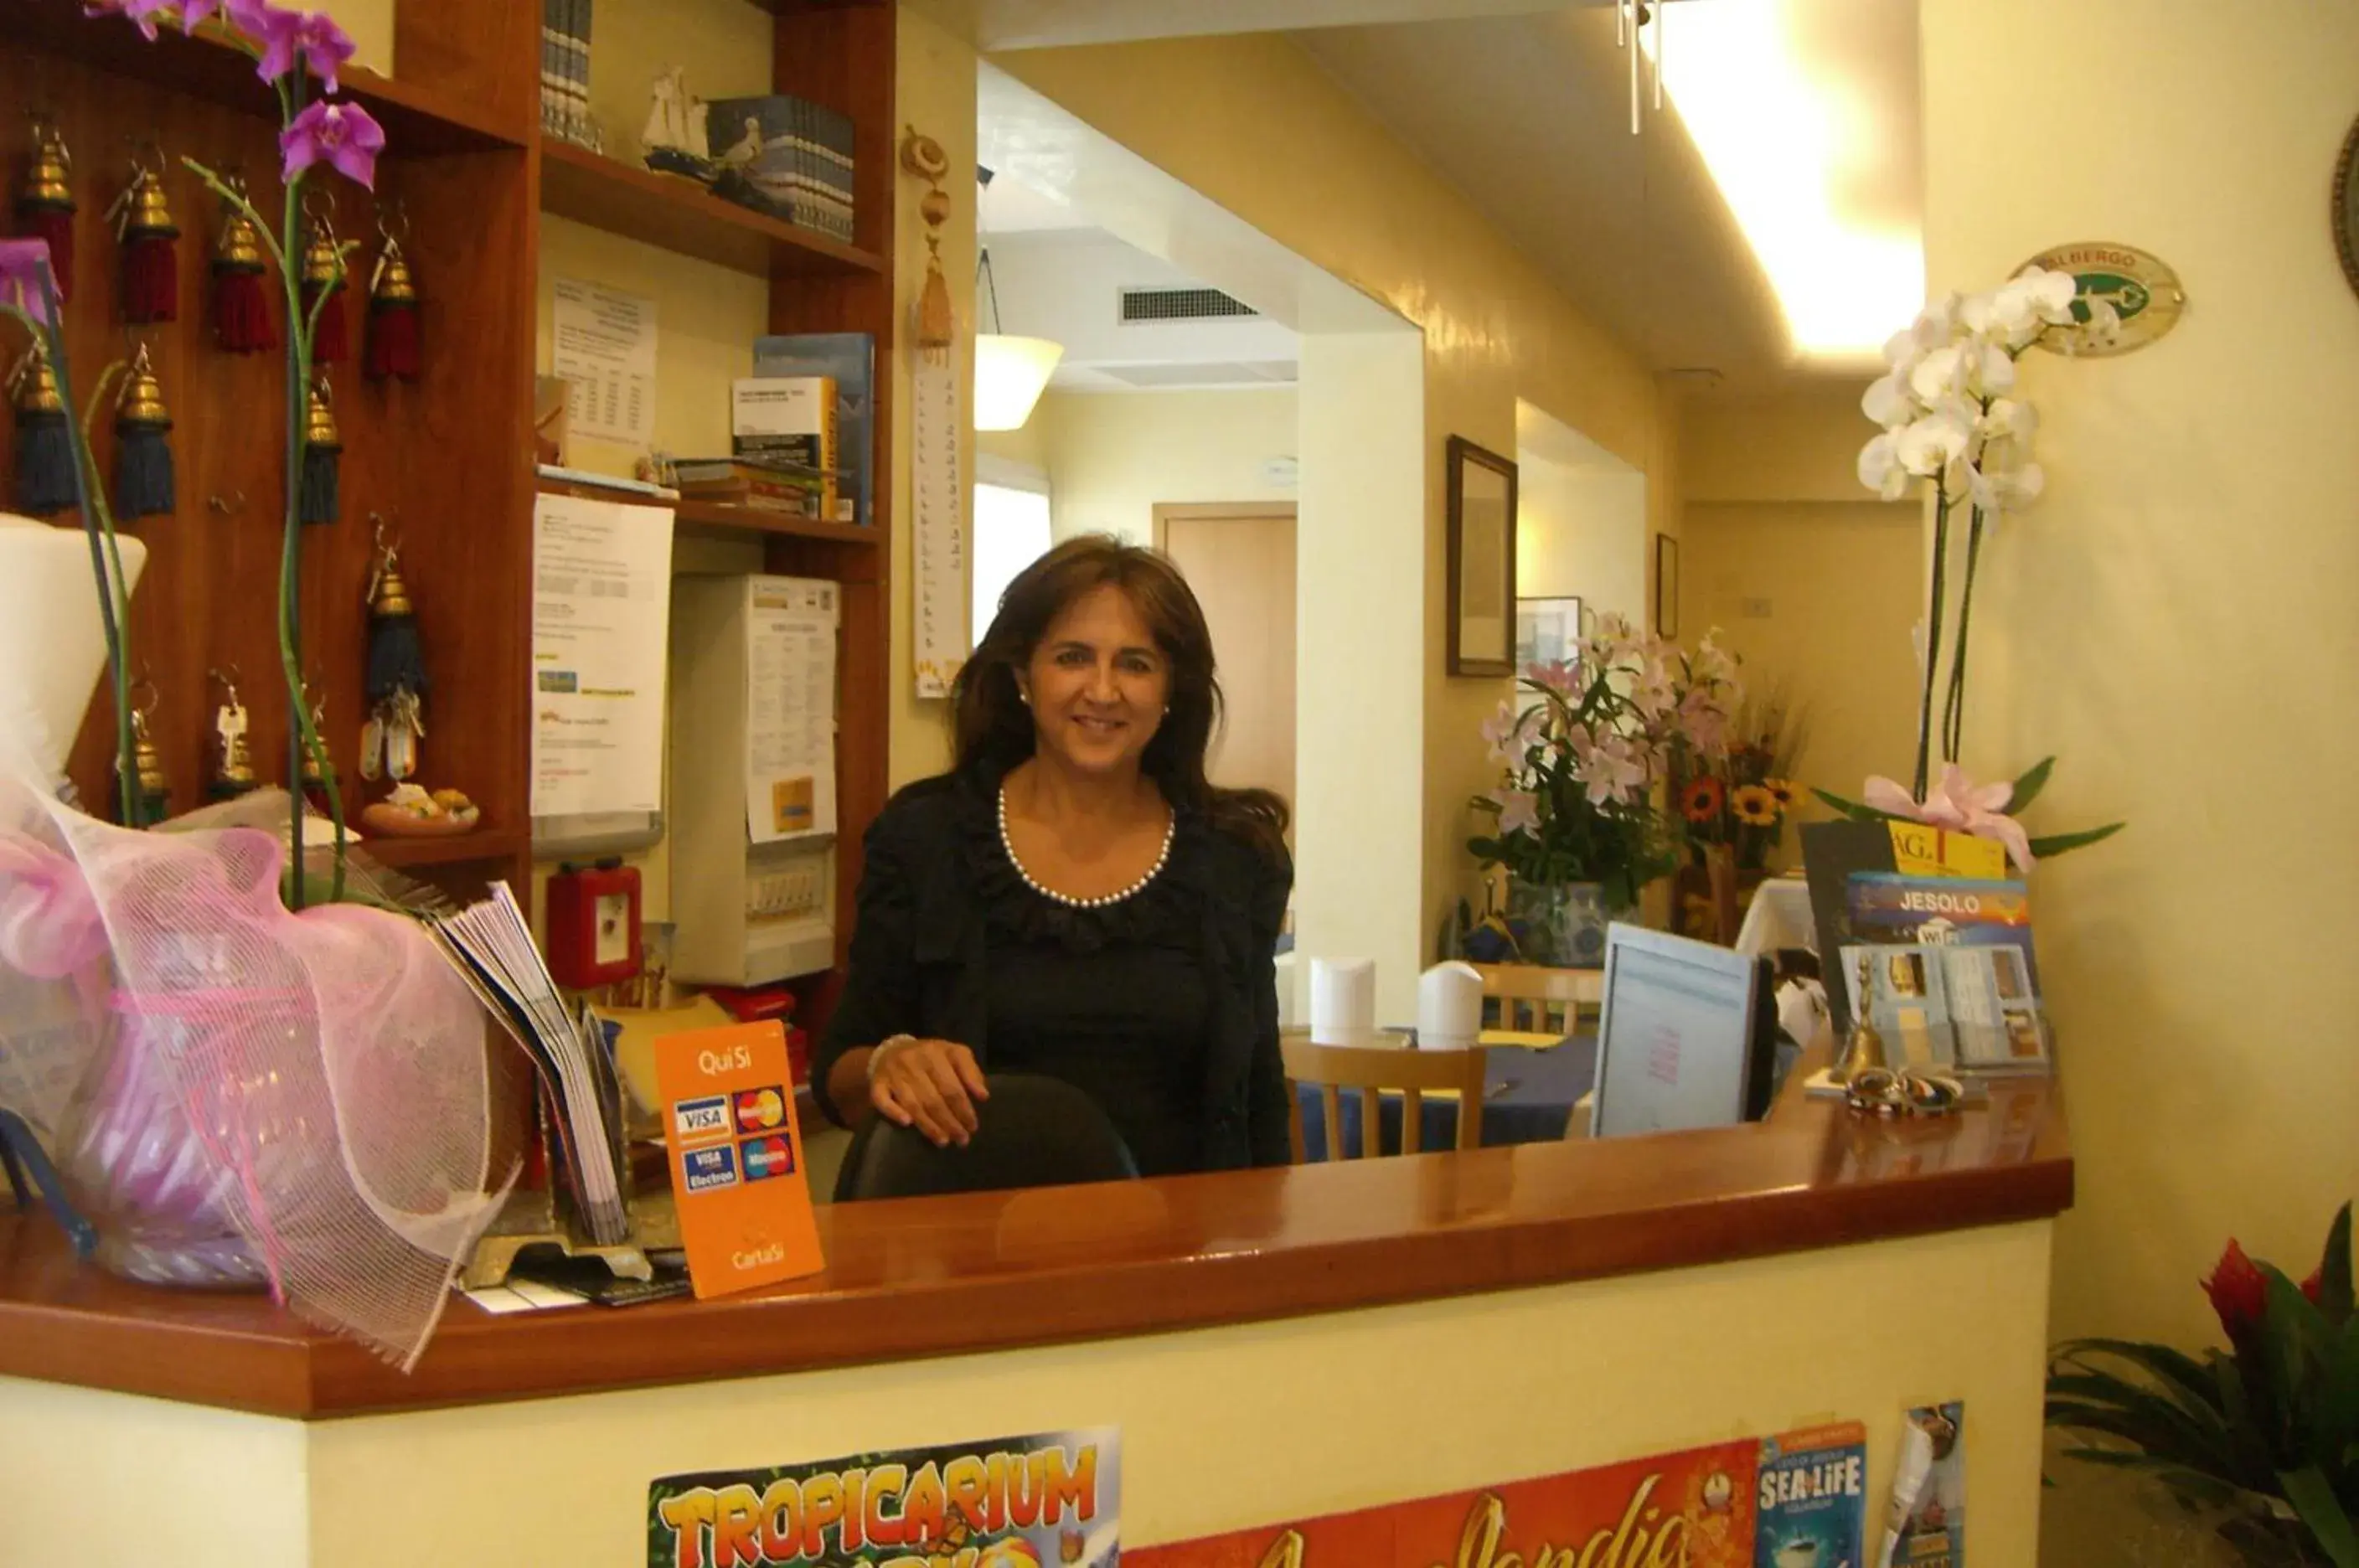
{"points": [[695, 1119], [705, 1170]]}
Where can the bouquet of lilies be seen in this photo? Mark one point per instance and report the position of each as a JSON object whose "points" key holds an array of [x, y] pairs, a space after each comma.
{"points": [[1582, 750], [290, 47]]}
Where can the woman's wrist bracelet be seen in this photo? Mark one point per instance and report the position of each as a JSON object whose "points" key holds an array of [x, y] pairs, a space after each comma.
{"points": [[884, 1048]]}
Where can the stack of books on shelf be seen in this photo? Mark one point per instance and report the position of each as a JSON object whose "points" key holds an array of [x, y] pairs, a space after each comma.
{"points": [[787, 157], [565, 73]]}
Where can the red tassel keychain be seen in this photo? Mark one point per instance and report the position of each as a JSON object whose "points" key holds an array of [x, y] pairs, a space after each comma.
{"points": [[45, 204], [393, 305], [151, 261], [242, 322], [323, 273]]}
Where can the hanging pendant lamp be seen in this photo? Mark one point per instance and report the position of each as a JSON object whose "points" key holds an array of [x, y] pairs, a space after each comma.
{"points": [[1010, 372]]}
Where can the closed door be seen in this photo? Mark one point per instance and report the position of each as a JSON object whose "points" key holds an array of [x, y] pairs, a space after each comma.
{"points": [[1240, 561]]}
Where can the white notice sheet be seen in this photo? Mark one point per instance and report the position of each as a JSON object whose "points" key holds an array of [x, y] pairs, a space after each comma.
{"points": [[604, 347], [789, 708], [601, 624]]}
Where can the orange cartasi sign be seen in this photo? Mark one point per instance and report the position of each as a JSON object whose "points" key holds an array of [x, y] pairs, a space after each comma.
{"points": [[1693, 1509]]}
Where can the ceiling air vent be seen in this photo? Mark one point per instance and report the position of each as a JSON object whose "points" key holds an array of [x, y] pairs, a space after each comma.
{"points": [[1189, 304]]}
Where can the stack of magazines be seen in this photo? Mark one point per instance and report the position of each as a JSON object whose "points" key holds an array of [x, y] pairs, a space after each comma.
{"points": [[490, 943]]}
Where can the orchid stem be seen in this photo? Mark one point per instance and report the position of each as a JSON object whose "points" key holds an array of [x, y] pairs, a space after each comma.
{"points": [[1933, 638], [98, 527], [1953, 715]]}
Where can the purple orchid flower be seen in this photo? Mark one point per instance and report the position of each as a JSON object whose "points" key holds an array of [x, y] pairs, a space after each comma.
{"points": [[23, 264], [323, 45], [193, 12], [342, 135], [139, 13]]}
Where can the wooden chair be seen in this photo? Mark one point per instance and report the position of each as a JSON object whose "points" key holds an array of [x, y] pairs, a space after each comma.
{"points": [[1529, 998], [1370, 1070]]}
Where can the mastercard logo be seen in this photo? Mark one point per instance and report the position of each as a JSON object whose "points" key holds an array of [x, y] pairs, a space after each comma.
{"points": [[765, 1157], [759, 1110]]}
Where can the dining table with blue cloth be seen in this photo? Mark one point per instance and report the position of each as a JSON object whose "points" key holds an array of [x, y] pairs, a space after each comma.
{"points": [[1527, 1096]]}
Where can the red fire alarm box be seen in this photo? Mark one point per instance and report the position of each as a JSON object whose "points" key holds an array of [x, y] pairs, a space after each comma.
{"points": [[594, 924]]}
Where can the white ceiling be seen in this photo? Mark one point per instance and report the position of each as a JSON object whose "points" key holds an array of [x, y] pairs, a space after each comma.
{"points": [[1528, 116], [1037, 24]]}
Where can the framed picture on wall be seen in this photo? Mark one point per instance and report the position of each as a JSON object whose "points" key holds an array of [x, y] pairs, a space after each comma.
{"points": [[1482, 637], [1548, 631], [1667, 585]]}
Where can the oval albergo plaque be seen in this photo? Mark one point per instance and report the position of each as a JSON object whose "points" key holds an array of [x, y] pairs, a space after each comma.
{"points": [[2142, 288]]}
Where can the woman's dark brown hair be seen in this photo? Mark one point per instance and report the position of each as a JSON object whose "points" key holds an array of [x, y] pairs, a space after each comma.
{"points": [[994, 729]]}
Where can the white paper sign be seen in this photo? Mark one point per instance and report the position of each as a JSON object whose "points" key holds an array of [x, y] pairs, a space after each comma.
{"points": [[942, 642], [604, 349], [789, 708], [601, 618]]}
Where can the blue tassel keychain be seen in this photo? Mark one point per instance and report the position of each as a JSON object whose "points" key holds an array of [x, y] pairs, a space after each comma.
{"points": [[144, 486], [322, 445], [44, 450]]}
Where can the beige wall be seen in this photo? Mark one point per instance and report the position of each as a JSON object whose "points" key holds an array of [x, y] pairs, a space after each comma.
{"points": [[1222, 1428], [1112, 457], [1251, 123], [1817, 597], [1582, 530], [1799, 443], [2175, 622]]}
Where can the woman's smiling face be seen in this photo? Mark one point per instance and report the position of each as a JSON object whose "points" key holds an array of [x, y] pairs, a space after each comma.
{"points": [[1097, 684]]}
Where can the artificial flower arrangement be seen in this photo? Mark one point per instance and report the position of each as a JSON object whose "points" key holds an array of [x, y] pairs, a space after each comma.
{"points": [[2260, 1442], [1951, 419], [290, 49], [1578, 801], [1734, 808]]}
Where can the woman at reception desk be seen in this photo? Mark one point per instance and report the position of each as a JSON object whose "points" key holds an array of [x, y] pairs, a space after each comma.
{"points": [[1074, 902]]}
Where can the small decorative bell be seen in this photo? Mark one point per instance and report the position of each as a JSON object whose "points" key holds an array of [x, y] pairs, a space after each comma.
{"points": [[45, 453], [151, 262], [397, 682], [393, 335], [45, 202], [147, 761], [324, 274], [242, 322], [1863, 1047], [323, 443], [144, 481]]}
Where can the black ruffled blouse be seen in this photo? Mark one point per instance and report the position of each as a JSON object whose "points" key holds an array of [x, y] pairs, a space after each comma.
{"points": [[1162, 1008]]}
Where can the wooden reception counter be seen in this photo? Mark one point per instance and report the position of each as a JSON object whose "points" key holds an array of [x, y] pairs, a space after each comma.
{"points": [[986, 1273]]}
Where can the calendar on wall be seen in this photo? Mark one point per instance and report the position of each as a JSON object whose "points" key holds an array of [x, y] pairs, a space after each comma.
{"points": [[941, 639]]}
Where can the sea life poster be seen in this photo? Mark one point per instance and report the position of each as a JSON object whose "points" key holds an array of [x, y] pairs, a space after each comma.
{"points": [[1050, 1500]]}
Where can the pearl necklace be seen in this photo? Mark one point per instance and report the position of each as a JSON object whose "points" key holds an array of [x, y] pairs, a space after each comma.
{"points": [[1067, 899]]}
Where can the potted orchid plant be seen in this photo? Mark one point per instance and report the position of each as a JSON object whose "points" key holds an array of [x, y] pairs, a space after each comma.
{"points": [[1578, 823], [290, 47], [2260, 1442], [1952, 420]]}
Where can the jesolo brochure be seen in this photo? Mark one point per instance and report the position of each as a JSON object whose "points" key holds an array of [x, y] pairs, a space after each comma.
{"points": [[1950, 983]]}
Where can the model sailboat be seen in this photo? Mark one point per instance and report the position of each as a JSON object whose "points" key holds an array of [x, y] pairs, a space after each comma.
{"points": [[674, 139]]}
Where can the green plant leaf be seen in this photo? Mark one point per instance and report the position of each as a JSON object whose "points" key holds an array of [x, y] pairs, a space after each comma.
{"points": [[2175, 1367], [2334, 1270], [2054, 844], [2315, 1501], [2027, 788], [2178, 1477], [2152, 1426], [2195, 1423], [1851, 809], [2338, 1401]]}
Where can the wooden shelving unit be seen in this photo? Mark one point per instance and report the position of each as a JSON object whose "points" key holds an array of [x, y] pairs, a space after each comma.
{"points": [[448, 460], [663, 210]]}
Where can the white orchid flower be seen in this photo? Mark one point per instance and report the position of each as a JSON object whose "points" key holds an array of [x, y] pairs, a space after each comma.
{"points": [[2005, 479], [1978, 312], [1990, 368], [1888, 403], [2008, 419], [1932, 444], [2104, 327], [2050, 293], [1880, 469], [1941, 374], [1902, 351]]}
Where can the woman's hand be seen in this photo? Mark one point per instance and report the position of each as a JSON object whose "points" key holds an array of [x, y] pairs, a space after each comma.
{"points": [[930, 1085]]}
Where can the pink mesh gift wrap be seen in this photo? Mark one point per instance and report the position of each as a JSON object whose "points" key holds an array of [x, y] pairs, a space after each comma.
{"points": [[236, 1092]]}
